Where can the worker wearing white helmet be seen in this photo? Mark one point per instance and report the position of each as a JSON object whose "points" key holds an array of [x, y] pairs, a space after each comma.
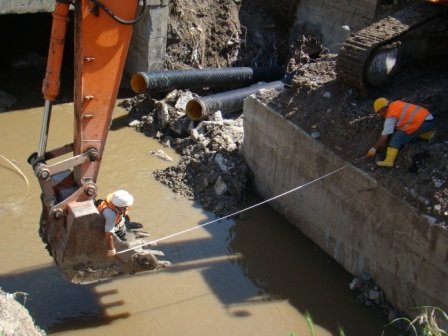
{"points": [[405, 122], [114, 209]]}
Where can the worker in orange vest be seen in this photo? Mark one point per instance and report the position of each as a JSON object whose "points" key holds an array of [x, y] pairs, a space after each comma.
{"points": [[114, 210], [404, 121]]}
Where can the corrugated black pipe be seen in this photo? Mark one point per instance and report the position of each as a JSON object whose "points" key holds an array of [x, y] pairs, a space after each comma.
{"points": [[157, 81], [226, 102]]}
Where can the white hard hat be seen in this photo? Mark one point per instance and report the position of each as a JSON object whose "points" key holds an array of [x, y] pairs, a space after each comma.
{"points": [[122, 198]]}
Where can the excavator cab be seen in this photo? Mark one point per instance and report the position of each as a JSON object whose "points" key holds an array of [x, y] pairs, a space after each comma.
{"points": [[70, 223]]}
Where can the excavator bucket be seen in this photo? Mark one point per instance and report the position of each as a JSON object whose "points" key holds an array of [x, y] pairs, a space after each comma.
{"points": [[76, 242]]}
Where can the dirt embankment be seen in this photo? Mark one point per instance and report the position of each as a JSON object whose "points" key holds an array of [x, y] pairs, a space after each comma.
{"points": [[344, 121], [14, 317], [254, 33]]}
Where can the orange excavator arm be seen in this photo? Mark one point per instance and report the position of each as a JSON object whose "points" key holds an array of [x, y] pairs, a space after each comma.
{"points": [[70, 223]]}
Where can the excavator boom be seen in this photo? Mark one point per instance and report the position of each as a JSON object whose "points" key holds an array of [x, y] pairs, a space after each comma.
{"points": [[70, 224]]}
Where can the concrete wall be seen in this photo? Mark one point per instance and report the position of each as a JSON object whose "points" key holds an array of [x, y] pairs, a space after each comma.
{"points": [[148, 44], [326, 18], [25, 6], [361, 225]]}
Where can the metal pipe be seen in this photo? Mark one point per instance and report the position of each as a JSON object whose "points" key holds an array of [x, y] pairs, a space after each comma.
{"points": [[156, 81], [51, 83], [44, 130], [226, 102]]}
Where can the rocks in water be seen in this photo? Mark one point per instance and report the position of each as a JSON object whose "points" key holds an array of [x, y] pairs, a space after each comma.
{"points": [[211, 169], [6, 100], [371, 295]]}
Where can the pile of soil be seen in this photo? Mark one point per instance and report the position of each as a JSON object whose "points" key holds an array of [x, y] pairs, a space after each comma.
{"points": [[14, 318], [211, 169]]}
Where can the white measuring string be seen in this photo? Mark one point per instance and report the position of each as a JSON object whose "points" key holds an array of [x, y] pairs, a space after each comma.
{"points": [[238, 212]]}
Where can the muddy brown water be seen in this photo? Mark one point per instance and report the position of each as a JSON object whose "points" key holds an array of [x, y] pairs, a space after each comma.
{"points": [[256, 276]]}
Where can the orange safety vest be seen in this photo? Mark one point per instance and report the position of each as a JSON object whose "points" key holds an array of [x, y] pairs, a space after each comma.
{"points": [[410, 117], [107, 203]]}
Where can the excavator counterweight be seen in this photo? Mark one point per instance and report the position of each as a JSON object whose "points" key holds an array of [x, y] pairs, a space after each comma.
{"points": [[70, 224]]}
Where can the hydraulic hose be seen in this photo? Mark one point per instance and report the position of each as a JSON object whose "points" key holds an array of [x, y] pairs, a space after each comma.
{"points": [[116, 18], [159, 81], [226, 102]]}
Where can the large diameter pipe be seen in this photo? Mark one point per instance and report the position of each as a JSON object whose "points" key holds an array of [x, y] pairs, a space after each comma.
{"points": [[158, 81], [226, 102]]}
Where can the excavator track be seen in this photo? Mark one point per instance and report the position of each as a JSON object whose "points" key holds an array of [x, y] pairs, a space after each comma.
{"points": [[357, 62]]}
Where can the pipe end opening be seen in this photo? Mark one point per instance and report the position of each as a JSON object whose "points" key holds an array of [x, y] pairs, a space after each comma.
{"points": [[138, 83], [194, 110]]}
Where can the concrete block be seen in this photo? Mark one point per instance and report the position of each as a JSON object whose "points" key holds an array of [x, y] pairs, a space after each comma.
{"points": [[326, 18], [26, 6], [148, 44]]}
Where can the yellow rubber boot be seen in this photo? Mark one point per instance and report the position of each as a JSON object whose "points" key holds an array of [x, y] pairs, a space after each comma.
{"points": [[391, 155], [427, 135]]}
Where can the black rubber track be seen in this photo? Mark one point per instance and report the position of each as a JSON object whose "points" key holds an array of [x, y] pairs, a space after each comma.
{"points": [[354, 55]]}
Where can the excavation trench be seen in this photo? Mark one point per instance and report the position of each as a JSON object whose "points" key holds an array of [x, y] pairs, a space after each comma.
{"points": [[234, 294], [348, 214]]}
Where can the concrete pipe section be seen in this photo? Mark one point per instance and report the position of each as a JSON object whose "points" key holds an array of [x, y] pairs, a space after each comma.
{"points": [[159, 81]]}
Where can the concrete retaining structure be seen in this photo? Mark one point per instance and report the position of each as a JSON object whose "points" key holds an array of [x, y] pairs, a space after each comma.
{"points": [[148, 43], [360, 224], [26, 6], [326, 18]]}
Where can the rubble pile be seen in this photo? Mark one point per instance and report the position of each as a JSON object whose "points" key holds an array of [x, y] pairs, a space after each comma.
{"points": [[372, 296], [211, 169], [15, 318]]}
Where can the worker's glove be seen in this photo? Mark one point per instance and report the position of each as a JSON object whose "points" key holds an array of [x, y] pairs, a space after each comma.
{"points": [[371, 152], [111, 253]]}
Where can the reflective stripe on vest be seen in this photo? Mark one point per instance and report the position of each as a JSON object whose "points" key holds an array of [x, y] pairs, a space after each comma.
{"points": [[408, 121], [403, 113]]}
